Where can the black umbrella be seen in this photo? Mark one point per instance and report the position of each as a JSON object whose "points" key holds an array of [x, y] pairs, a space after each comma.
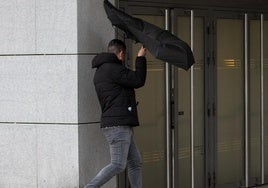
{"points": [[161, 43]]}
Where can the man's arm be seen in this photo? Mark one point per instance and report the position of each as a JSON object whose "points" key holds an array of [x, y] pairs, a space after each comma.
{"points": [[129, 78]]}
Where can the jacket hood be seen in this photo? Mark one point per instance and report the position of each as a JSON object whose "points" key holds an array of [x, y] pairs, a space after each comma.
{"points": [[102, 58]]}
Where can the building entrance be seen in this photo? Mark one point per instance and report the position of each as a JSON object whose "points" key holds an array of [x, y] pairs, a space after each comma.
{"points": [[205, 127]]}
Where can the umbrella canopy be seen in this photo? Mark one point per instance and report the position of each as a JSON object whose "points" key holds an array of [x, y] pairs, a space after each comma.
{"points": [[161, 43]]}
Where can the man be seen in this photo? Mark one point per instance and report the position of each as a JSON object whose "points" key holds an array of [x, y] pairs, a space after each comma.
{"points": [[115, 85]]}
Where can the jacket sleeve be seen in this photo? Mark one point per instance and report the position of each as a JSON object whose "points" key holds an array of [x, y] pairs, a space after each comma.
{"points": [[128, 78]]}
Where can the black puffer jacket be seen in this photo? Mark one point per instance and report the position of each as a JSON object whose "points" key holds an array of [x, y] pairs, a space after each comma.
{"points": [[115, 85]]}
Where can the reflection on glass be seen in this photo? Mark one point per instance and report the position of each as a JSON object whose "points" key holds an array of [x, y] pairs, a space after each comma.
{"points": [[230, 102], [150, 135]]}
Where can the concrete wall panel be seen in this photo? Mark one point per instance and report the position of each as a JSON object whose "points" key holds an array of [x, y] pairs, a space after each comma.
{"points": [[94, 28], [58, 156], [18, 160], [38, 89], [17, 23], [41, 93], [88, 104], [39, 156], [56, 26], [93, 154]]}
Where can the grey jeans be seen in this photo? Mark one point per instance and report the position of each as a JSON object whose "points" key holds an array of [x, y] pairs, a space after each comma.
{"points": [[124, 152]]}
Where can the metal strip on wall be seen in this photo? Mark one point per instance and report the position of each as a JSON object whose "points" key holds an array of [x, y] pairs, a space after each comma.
{"points": [[246, 102], [168, 138], [192, 104], [262, 105]]}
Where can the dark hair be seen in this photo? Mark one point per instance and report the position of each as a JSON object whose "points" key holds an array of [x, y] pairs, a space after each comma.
{"points": [[116, 45]]}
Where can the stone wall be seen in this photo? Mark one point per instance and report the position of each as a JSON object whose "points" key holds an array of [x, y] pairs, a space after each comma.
{"points": [[49, 114]]}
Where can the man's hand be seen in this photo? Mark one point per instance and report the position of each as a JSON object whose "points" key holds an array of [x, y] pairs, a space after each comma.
{"points": [[142, 52]]}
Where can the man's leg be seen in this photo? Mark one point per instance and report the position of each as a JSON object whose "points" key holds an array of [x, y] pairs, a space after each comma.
{"points": [[119, 142], [134, 164]]}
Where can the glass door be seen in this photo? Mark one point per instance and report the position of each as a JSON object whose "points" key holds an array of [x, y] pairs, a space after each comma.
{"points": [[150, 135], [230, 101], [240, 102], [189, 93], [216, 127]]}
